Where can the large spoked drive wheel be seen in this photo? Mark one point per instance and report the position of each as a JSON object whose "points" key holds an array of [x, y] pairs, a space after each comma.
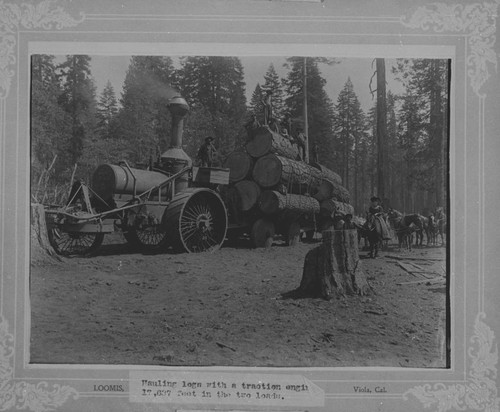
{"points": [[196, 221], [74, 243], [148, 239]]}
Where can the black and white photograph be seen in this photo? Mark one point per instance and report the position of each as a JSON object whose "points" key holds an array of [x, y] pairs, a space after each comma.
{"points": [[249, 205], [240, 211]]}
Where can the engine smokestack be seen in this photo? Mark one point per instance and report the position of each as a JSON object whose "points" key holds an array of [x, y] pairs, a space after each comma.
{"points": [[175, 158], [178, 108]]}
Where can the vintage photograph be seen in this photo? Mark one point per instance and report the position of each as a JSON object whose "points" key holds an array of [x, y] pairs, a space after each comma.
{"points": [[247, 211]]}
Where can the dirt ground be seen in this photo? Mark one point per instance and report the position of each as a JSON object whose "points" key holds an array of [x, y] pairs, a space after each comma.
{"points": [[225, 308]]}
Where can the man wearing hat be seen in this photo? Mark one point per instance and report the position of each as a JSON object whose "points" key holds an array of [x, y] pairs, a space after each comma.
{"points": [[206, 152], [375, 206], [376, 210], [300, 140], [268, 107]]}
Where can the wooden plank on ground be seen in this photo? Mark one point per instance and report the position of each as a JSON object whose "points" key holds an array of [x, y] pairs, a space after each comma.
{"points": [[431, 259], [415, 271], [433, 280], [408, 268], [418, 267]]}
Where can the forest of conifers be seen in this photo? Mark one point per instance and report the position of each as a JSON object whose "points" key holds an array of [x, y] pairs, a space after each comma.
{"points": [[403, 158]]}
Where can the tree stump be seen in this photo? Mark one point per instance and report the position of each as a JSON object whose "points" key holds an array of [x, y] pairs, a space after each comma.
{"points": [[41, 249], [333, 269]]}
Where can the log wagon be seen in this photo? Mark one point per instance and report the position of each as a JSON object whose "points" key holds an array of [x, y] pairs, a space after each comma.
{"points": [[263, 190], [272, 191]]}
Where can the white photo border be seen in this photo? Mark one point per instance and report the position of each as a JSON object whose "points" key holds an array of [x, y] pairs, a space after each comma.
{"points": [[469, 29]]}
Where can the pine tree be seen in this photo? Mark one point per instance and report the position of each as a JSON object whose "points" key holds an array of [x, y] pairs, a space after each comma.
{"points": [[350, 129], [370, 171], [78, 100], [320, 107], [143, 119], [255, 106], [381, 129], [50, 124], [412, 139], [274, 84], [107, 108], [393, 154], [215, 89], [426, 80]]}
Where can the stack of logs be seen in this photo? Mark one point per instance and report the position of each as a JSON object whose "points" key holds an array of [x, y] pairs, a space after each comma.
{"points": [[272, 191]]}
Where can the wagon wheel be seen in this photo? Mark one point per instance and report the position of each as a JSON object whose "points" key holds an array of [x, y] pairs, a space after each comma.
{"points": [[74, 243], [196, 220], [150, 238]]}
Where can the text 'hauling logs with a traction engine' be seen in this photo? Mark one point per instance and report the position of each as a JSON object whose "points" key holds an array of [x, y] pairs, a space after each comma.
{"points": [[262, 191]]}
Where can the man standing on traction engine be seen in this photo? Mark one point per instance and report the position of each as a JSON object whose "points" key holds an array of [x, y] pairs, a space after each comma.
{"points": [[206, 152]]}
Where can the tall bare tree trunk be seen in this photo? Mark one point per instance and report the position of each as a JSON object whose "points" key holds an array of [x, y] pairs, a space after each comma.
{"points": [[444, 160], [381, 128], [443, 147]]}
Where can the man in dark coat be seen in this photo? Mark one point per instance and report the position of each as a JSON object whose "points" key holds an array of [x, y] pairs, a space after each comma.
{"points": [[376, 211], [206, 152], [375, 206], [300, 140], [267, 105]]}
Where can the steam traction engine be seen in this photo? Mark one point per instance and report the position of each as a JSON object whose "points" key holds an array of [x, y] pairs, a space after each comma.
{"points": [[172, 204]]}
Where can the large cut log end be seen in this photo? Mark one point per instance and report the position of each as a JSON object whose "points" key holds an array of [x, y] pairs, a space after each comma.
{"points": [[331, 190], [249, 193], [267, 171], [239, 165]]}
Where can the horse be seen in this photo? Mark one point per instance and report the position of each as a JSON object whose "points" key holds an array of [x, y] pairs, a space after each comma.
{"points": [[405, 226], [372, 231], [433, 230], [440, 223], [425, 229]]}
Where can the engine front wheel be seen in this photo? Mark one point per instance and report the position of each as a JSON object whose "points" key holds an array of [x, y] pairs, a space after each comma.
{"points": [[74, 243]]}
